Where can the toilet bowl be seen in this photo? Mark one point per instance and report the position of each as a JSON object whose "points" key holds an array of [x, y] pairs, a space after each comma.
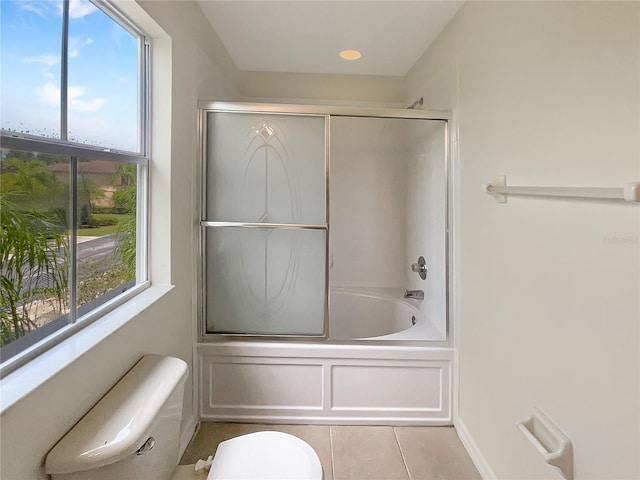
{"points": [[265, 456]]}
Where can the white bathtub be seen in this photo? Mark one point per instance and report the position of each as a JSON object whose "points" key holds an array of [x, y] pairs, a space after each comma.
{"points": [[376, 369], [364, 313]]}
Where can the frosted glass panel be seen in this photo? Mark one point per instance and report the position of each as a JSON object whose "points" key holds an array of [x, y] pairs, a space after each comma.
{"points": [[265, 281], [266, 168]]}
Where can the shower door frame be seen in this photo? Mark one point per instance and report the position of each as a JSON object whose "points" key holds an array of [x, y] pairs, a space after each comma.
{"points": [[206, 107]]}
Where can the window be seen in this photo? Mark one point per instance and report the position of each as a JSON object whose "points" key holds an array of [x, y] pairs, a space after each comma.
{"points": [[73, 169]]}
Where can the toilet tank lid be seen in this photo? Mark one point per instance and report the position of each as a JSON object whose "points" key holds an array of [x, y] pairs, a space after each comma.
{"points": [[119, 423]]}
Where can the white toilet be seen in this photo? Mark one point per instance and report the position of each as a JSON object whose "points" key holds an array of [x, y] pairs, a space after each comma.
{"points": [[133, 433], [265, 456]]}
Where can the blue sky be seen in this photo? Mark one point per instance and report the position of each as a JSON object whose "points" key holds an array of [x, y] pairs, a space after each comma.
{"points": [[103, 86]]}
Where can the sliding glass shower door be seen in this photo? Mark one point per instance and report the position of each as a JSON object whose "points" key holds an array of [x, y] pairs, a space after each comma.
{"points": [[265, 224]]}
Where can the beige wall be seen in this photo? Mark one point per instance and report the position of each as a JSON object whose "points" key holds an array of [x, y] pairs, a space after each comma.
{"points": [[548, 297], [188, 64], [321, 89]]}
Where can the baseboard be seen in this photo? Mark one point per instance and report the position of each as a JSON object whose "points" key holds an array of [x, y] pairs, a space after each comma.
{"points": [[474, 452], [187, 434]]}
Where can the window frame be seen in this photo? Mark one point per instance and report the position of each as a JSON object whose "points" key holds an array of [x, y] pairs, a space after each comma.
{"points": [[11, 140]]}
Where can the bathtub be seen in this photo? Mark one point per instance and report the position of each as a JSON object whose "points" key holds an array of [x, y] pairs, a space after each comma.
{"points": [[385, 363], [366, 313]]}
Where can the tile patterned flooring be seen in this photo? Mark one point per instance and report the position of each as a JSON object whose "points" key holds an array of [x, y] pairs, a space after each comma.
{"points": [[360, 452]]}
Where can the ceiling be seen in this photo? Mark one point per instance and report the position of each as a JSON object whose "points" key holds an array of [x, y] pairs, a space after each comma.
{"points": [[307, 36]]}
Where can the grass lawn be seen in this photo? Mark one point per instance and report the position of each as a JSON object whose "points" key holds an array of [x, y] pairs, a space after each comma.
{"points": [[106, 230]]}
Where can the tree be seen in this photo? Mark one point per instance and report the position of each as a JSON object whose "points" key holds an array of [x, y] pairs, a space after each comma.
{"points": [[30, 184], [125, 200], [125, 174], [33, 258], [88, 193]]}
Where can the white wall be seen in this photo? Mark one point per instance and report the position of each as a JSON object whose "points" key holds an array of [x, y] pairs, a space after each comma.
{"points": [[187, 66], [426, 215], [548, 290], [368, 184], [388, 207]]}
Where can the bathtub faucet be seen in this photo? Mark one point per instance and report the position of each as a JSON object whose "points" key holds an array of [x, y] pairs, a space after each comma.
{"points": [[417, 294]]}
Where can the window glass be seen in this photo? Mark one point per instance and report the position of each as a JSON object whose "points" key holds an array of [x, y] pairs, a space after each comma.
{"points": [[34, 251], [31, 39], [103, 80], [69, 227], [106, 237]]}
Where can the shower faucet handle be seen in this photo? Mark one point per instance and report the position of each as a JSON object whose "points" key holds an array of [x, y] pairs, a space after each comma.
{"points": [[420, 268]]}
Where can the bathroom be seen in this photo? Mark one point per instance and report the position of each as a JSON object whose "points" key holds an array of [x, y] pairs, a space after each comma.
{"points": [[538, 287]]}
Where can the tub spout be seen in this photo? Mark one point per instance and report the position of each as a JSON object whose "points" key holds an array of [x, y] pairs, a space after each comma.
{"points": [[417, 294]]}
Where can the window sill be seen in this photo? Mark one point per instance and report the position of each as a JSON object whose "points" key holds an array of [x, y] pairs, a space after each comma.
{"points": [[27, 378]]}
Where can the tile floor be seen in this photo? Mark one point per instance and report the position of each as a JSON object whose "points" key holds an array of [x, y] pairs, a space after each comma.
{"points": [[360, 452]]}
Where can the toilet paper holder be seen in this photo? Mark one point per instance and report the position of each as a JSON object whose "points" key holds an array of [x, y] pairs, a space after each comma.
{"points": [[555, 447]]}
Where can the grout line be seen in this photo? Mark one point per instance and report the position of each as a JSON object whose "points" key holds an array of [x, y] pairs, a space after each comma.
{"points": [[333, 469], [404, 460]]}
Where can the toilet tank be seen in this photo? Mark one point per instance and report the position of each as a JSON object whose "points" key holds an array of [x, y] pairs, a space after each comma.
{"points": [[132, 433]]}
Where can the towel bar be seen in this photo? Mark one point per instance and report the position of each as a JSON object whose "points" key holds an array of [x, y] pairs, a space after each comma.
{"points": [[630, 192]]}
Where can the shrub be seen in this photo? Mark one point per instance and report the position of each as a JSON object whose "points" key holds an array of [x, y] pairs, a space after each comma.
{"points": [[100, 209], [125, 199], [91, 222], [105, 220], [95, 221]]}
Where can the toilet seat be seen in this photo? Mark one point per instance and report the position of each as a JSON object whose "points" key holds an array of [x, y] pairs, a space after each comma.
{"points": [[265, 456]]}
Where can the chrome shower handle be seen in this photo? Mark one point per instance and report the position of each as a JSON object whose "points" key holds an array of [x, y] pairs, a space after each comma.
{"points": [[420, 268]]}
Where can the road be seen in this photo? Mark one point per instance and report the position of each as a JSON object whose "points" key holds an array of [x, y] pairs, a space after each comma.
{"points": [[88, 253], [97, 248], [95, 256]]}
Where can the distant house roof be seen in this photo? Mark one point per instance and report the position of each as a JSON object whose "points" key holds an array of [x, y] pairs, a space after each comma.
{"points": [[93, 166]]}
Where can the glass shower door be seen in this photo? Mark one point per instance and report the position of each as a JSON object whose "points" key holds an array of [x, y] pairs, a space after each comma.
{"points": [[265, 224]]}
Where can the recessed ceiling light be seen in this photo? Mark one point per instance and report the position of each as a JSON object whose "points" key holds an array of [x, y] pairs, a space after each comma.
{"points": [[350, 54]]}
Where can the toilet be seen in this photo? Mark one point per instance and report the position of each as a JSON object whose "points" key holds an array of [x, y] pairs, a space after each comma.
{"points": [[265, 456], [133, 433]]}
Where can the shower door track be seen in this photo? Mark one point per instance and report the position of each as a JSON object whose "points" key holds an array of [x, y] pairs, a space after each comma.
{"points": [[332, 111]]}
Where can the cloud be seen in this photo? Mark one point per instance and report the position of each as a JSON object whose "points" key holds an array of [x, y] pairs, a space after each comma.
{"points": [[75, 103], [120, 78], [44, 8], [50, 95], [33, 8], [39, 7], [81, 8], [48, 59], [76, 44]]}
